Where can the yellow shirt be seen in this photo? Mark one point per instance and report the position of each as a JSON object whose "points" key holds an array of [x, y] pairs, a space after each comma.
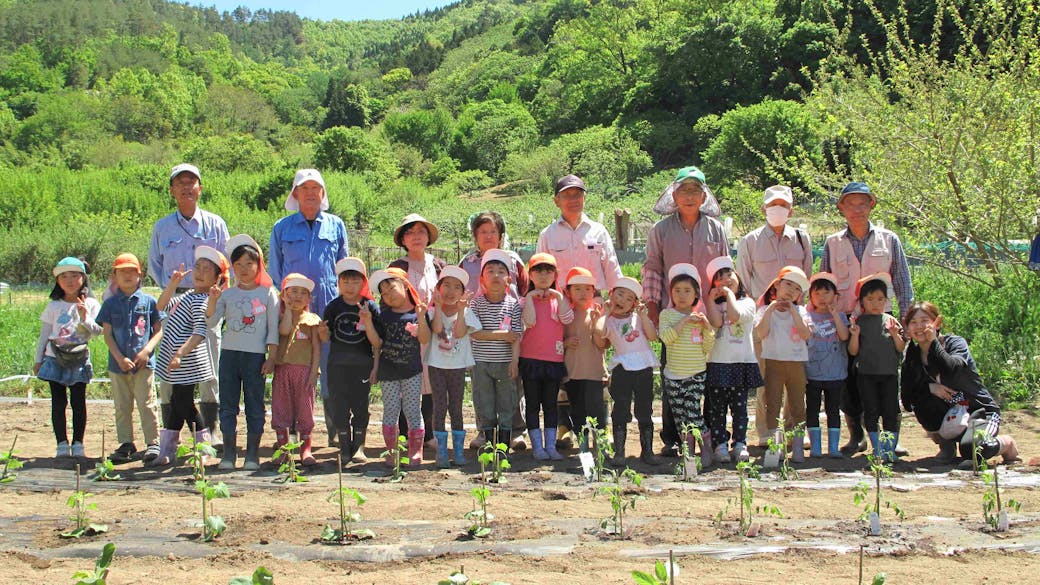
{"points": [[688, 345]]}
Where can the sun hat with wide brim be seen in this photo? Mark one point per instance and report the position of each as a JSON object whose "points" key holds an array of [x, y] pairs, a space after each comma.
{"points": [[409, 220], [666, 202]]}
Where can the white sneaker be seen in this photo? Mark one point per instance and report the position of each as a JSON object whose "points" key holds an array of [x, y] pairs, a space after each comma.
{"points": [[721, 454], [63, 450], [740, 452], [77, 449]]}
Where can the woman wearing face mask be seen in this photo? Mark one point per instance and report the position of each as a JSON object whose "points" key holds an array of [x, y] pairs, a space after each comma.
{"points": [[760, 256]]}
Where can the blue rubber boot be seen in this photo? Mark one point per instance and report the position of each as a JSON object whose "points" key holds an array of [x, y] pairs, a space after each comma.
{"points": [[442, 449], [458, 441], [833, 438], [888, 449], [815, 448], [874, 443]]}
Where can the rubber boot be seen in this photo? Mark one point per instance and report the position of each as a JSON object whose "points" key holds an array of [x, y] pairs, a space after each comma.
{"points": [[798, 447], [281, 437], [620, 434], [504, 437], [537, 448], [833, 438], [875, 443], [356, 440], [204, 436], [888, 449], [210, 412], [346, 447], [442, 449], [252, 459], [458, 442], [707, 447], [306, 457], [390, 440], [550, 444], [815, 443], [168, 442], [646, 445], [415, 445], [856, 444], [227, 462]]}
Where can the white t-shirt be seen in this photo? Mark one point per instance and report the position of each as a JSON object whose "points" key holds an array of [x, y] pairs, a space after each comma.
{"points": [[733, 341], [61, 323], [783, 342], [448, 353], [631, 347]]}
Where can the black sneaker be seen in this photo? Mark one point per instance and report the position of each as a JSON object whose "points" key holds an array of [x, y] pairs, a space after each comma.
{"points": [[124, 453], [151, 453]]}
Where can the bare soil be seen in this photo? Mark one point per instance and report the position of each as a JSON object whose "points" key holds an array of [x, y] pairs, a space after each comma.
{"points": [[546, 528]]}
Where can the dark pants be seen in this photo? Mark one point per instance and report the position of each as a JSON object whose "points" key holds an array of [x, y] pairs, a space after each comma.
{"points": [[182, 409], [851, 403], [540, 394], [880, 396], [240, 377], [349, 389], [586, 399], [830, 393], [627, 387], [448, 387], [723, 399], [77, 395]]}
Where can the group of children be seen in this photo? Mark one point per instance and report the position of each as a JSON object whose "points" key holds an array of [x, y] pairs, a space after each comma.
{"points": [[548, 339]]}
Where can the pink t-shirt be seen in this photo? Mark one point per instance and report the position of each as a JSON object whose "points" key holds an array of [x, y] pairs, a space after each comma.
{"points": [[544, 341]]}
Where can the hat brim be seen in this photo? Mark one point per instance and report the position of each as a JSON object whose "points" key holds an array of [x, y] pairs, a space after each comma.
{"points": [[431, 230], [666, 202]]}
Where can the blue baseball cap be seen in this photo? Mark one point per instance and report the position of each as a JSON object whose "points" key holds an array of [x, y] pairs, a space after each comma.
{"points": [[856, 187], [69, 264]]}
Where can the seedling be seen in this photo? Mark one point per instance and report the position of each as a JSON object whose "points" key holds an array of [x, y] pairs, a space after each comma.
{"points": [[459, 578], [686, 458], [879, 469], [786, 472], [78, 502], [480, 517], [619, 503], [775, 454], [604, 448], [212, 525], [993, 509], [347, 516], [493, 456], [261, 576], [100, 572], [748, 471], [399, 454], [104, 470], [663, 574], [194, 454], [287, 455], [11, 463]]}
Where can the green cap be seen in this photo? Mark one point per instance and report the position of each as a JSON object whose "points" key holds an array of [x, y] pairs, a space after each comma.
{"points": [[687, 173]]}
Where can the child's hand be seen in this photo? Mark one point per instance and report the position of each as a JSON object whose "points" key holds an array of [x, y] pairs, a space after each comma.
{"points": [[719, 293], [141, 360], [421, 308], [214, 293], [373, 379], [179, 274], [555, 293], [893, 326], [268, 366], [323, 331], [571, 342], [81, 308], [175, 362], [36, 368], [853, 326], [641, 309], [700, 319], [514, 370], [365, 314], [464, 299], [312, 381], [126, 364], [779, 304]]}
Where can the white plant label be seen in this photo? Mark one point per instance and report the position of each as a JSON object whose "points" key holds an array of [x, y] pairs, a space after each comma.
{"points": [[588, 466], [875, 524]]}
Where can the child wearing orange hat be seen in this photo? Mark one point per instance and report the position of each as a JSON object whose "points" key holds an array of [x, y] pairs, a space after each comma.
{"points": [[545, 313], [586, 371], [130, 321]]}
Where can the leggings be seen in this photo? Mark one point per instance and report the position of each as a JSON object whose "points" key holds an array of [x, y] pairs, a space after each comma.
{"points": [[734, 400], [77, 395], [448, 387], [830, 392], [879, 395], [182, 409], [686, 396], [541, 393], [403, 396]]}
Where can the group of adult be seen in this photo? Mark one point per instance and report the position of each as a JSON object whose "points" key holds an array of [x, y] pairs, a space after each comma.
{"points": [[310, 241]]}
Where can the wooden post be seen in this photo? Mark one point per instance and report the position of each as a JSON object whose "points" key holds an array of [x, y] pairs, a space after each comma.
{"points": [[621, 220]]}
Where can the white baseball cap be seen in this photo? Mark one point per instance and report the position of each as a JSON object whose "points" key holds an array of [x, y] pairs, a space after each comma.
{"points": [[185, 168], [454, 272], [351, 263], [781, 192], [302, 176]]}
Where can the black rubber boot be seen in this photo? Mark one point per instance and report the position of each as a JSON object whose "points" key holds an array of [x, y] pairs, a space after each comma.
{"points": [[857, 440], [252, 459], [646, 445], [620, 434], [227, 462]]}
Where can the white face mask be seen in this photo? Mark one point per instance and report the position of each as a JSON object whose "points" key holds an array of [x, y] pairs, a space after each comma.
{"points": [[776, 215]]}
